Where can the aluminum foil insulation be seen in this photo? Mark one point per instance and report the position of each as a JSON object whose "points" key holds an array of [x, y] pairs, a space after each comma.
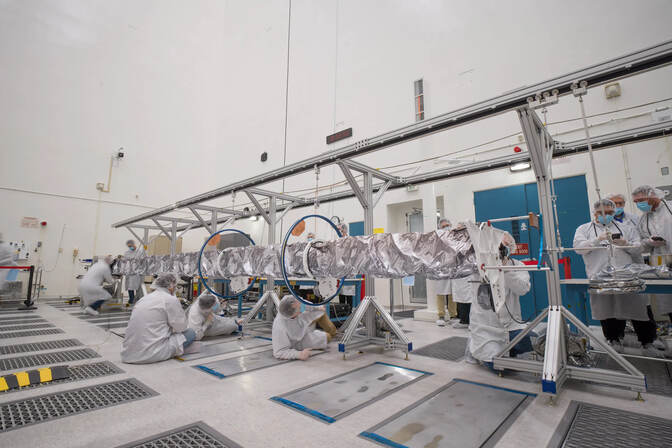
{"points": [[624, 280], [436, 255]]}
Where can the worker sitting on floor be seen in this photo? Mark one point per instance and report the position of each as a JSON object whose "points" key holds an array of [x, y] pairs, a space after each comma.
{"points": [[158, 329], [490, 330], [91, 289], [294, 333], [202, 318]]}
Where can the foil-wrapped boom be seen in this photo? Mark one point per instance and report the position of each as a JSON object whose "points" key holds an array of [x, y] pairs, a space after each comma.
{"points": [[436, 255]]}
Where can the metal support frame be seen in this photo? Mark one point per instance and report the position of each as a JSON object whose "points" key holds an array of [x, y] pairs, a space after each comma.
{"points": [[269, 298], [368, 308], [271, 217], [555, 369]]}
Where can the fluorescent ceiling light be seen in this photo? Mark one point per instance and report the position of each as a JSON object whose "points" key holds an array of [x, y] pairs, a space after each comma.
{"points": [[520, 166]]}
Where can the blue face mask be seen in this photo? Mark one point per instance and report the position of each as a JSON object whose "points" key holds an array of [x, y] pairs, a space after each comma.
{"points": [[618, 211], [605, 219], [644, 206], [215, 307], [131, 248]]}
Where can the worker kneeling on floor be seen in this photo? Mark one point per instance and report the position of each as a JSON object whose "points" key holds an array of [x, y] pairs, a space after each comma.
{"points": [[294, 333], [204, 320], [157, 329]]}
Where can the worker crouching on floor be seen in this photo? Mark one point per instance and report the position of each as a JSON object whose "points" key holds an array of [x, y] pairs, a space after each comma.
{"points": [[91, 287], [294, 333], [490, 330], [157, 329], [203, 318]]}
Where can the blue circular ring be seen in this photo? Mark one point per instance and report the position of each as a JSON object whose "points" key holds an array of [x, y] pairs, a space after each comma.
{"points": [[284, 269], [200, 272]]}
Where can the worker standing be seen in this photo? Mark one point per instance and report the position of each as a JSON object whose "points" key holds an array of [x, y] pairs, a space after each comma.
{"points": [[91, 290], [6, 259], [444, 289], [612, 310], [133, 281], [490, 330], [620, 215], [464, 291], [158, 328], [655, 230]]}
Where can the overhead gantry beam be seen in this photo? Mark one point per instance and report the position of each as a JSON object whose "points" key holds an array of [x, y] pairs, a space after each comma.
{"points": [[630, 64]]}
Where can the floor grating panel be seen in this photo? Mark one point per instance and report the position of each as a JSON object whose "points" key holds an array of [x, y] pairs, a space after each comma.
{"points": [[658, 373], [24, 321], [22, 362], [38, 346], [450, 349], [114, 325], [23, 334], [195, 435], [5, 318], [21, 413], [26, 327], [78, 373], [590, 426]]}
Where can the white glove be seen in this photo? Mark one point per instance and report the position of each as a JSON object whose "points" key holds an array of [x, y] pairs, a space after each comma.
{"points": [[304, 354], [620, 242]]}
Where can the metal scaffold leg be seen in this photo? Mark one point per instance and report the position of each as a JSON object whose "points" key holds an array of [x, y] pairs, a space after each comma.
{"points": [[367, 310]]}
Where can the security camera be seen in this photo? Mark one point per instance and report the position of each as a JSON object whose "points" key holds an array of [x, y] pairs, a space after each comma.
{"points": [[120, 153]]}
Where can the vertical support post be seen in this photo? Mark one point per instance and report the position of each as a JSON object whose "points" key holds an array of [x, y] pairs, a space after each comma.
{"points": [[145, 240], [272, 221], [213, 222], [370, 288], [173, 238]]}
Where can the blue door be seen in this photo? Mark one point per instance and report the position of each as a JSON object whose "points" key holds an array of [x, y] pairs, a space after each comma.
{"points": [[573, 210]]}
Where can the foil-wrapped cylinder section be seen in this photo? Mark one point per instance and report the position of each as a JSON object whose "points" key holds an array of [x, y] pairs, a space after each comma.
{"points": [[436, 255]]}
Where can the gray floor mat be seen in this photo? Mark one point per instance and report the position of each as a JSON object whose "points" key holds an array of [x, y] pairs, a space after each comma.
{"points": [[21, 413], [451, 349], [222, 348], [590, 426], [23, 334], [195, 435], [341, 395], [658, 373], [79, 372], [241, 364], [459, 415], [40, 359], [38, 346]]}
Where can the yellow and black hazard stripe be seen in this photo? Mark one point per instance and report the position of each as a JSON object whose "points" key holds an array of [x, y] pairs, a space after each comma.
{"points": [[32, 377]]}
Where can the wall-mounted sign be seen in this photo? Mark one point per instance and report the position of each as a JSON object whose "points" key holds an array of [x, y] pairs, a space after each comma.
{"points": [[30, 223], [521, 249], [340, 135]]}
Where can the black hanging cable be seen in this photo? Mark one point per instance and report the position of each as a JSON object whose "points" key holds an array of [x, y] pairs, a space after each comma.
{"points": [[284, 144]]}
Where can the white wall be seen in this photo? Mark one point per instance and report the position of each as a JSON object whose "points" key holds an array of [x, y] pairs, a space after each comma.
{"points": [[195, 91]]}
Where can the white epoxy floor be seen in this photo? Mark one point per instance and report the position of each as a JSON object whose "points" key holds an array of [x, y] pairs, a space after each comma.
{"points": [[239, 407]]}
